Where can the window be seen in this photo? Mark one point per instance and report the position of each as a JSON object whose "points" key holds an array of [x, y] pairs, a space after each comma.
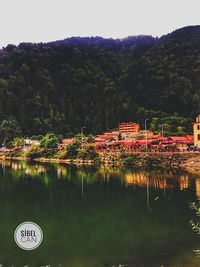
{"points": [[198, 137], [198, 127]]}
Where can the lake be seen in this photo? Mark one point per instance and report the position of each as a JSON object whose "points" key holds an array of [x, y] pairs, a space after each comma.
{"points": [[98, 216]]}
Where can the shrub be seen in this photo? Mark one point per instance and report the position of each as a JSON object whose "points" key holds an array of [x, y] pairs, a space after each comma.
{"points": [[61, 154], [87, 153], [50, 141], [33, 152], [129, 160], [72, 149]]}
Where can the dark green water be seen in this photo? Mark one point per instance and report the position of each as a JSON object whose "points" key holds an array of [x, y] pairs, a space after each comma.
{"points": [[95, 217]]}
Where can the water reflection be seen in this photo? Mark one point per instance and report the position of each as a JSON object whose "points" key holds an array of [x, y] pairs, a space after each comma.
{"points": [[97, 216], [165, 181], [81, 176], [197, 183]]}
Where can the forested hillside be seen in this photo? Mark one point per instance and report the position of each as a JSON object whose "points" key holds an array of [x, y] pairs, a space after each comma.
{"points": [[61, 86]]}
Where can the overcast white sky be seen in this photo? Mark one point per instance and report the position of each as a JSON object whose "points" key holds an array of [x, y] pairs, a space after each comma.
{"points": [[48, 20]]}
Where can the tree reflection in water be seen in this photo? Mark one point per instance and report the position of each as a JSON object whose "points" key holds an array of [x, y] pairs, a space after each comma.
{"points": [[92, 216]]}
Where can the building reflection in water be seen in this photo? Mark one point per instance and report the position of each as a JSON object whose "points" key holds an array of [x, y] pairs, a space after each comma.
{"points": [[197, 183], [184, 182], [141, 179], [157, 180]]}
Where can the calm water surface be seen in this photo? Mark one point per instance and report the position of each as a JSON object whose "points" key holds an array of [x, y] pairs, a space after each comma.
{"points": [[97, 217]]}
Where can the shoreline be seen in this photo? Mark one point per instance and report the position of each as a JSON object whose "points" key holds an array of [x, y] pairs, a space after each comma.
{"points": [[51, 160], [185, 161]]}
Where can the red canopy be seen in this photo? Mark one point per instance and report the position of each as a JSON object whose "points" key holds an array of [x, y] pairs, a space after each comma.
{"points": [[167, 142], [129, 142], [133, 142], [181, 139], [144, 142]]}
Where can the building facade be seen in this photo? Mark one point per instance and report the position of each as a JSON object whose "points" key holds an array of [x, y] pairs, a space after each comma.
{"points": [[196, 131], [129, 127]]}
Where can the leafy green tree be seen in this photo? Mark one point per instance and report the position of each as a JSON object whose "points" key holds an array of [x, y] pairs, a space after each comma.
{"points": [[33, 152], [73, 149], [90, 138], [18, 142], [50, 141], [9, 129], [87, 153], [97, 82]]}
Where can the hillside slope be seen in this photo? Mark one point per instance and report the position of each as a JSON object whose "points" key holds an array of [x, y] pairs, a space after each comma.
{"points": [[63, 85]]}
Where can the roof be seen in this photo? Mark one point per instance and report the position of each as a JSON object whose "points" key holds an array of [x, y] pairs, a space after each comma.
{"points": [[112, 133], [178, 138], [156, 136], [67, 140], [144, 142], [133, 142], [190, 137], [167, 141], [165, 138], [129, 122], [181, 139]]}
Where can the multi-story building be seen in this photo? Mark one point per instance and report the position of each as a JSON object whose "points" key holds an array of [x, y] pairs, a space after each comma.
{"points": [[196, 131], [129, 127]]}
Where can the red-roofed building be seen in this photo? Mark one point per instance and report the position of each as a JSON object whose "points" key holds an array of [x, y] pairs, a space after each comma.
{"points": [[181, 139], [108, 136], [190, 138], [65, 142]]}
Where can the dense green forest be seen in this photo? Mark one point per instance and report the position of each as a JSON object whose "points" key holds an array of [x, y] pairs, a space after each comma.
{"points": [[63, 85]]}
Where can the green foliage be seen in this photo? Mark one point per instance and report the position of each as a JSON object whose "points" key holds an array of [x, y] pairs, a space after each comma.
{"points": [[49, 153], [150, 162], [82, 153], [173, 125], [87, 153], [9, 129], [33, 152], [96, 82], [50, 141], [79, 137], [90, 138], [61, 154], [18, 142], [129, 160], [73, 149], [138, 161]]}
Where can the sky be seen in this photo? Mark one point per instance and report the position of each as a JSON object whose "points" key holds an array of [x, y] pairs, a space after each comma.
{"points": [[49, 20]]}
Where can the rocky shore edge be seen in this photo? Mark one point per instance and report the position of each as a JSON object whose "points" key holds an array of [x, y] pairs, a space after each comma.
{"points": [[186, 161]]}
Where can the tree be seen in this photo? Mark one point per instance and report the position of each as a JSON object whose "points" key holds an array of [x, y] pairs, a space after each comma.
{"points": [[33, 152], [50, 141], [73, 149], [60, 86], [9, 129], [87, 153], [18, 142], [90, 138]]}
